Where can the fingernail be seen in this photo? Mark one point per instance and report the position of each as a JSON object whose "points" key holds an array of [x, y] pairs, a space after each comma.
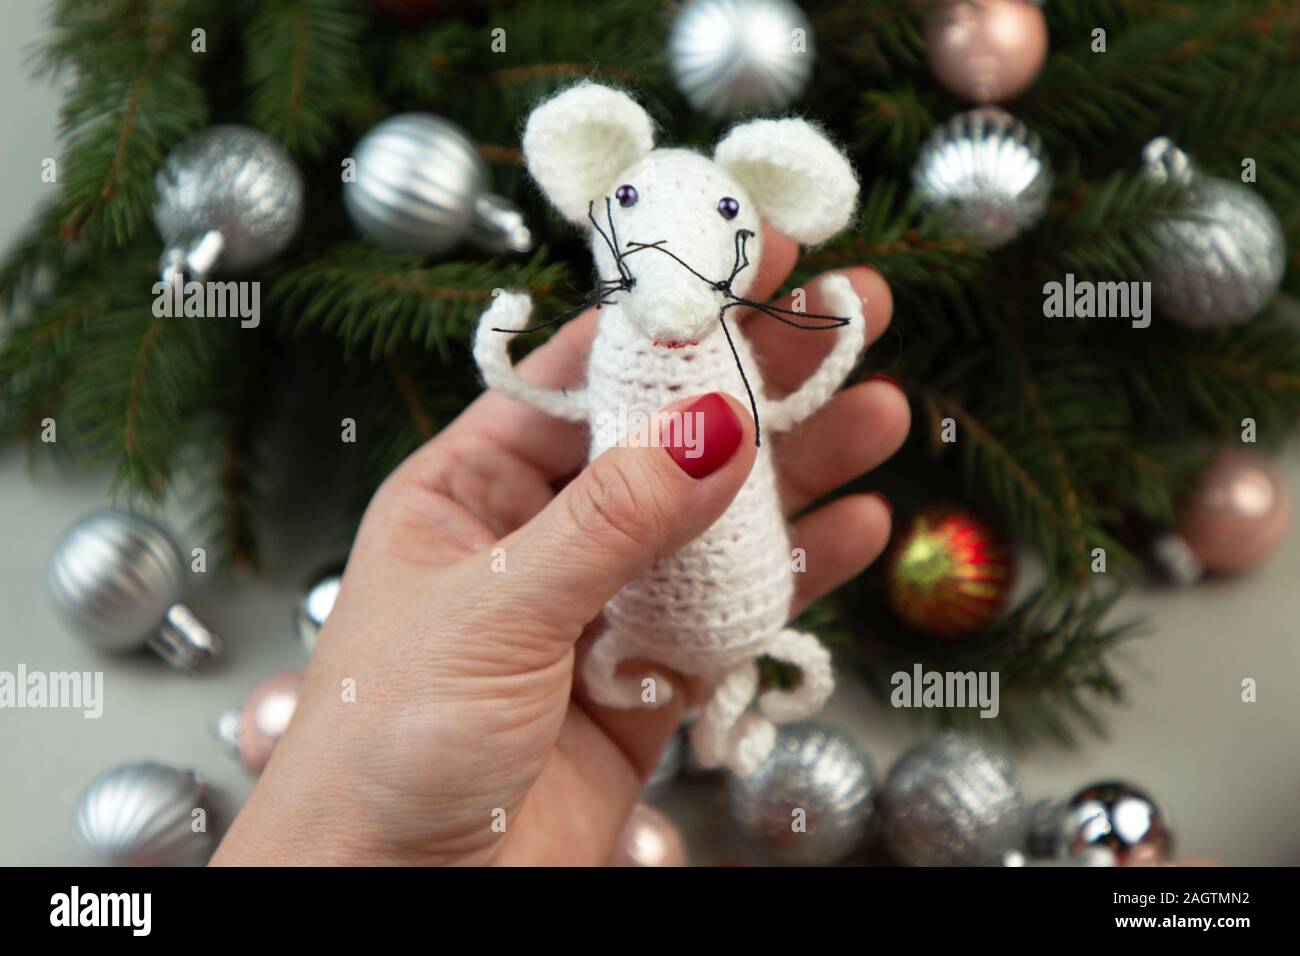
{"points": [[717, 433], [878, 377], [884, 501]]}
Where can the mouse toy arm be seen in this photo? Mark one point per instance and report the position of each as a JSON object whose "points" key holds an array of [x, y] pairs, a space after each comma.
{"points": [[507, 315], [785, 413]]}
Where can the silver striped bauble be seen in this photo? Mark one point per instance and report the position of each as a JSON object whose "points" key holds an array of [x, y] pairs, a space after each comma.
{"points": [[419, 185], [735, 56], [228, 198], [810, 800], [1220, 261], [989, 174], [952, 801], [117, 580], [144, 814]]}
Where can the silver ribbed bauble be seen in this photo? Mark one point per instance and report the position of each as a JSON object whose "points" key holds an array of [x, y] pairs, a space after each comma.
{"points": [[816, 770], [989, 172], [735, 56], [421, 186], [315, 602], [952, 801], [227, 197], [1221, 260], [142, 814], [117, 580], [1120, 818]]}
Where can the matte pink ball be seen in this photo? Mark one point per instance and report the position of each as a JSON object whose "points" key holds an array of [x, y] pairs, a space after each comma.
{"points": [[649, 839], [266, 716], [1238, 513], [986, 50]]}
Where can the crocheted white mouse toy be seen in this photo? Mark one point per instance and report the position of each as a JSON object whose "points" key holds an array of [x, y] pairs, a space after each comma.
{"points": [[676, 238]]}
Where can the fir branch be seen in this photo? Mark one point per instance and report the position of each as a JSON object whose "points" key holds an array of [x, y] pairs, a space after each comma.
{"points": [[377, 301], [303, 64], [133, 94]]}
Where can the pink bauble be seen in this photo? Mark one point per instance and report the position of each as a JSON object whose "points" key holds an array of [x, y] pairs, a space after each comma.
{"points": [[649, 839], [986, 50], [265, 717], [1238, 512]]}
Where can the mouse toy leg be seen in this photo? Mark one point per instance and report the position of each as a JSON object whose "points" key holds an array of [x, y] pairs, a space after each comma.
{"points": [[815, 684], [609, 688]]}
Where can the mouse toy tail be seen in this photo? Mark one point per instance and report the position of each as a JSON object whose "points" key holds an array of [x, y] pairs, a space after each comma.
{"points": [[728, 733]]}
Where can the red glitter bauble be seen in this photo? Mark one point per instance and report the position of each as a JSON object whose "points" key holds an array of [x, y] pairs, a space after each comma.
{"points": [[949, 574]]}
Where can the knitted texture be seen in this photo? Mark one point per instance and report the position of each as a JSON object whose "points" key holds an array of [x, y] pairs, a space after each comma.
{"points": [[715, 606]]}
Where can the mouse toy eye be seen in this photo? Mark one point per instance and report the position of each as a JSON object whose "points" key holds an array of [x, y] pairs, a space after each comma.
{"points": [[728, 208], [626, 195]]}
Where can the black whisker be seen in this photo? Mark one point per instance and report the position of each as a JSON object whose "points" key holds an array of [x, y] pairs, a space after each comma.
{"points": [[740, 367]]}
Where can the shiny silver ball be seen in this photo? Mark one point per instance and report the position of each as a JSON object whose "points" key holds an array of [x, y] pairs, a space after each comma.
{"points": [[988, 173], [1221, 260], [952, 801], [1120, 818], [144, 814], [736, 56], [809, 802], [117, 580], [421, 186], [228, 198], [315, 603]]}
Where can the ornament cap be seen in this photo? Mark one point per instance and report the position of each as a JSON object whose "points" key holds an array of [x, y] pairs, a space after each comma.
{"points": [[1166, 162], [226, 730], [497, 226], [196, 259], [183, 641]]}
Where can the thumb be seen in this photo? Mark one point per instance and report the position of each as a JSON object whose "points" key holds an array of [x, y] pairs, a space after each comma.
{"points": [[668, 482]]}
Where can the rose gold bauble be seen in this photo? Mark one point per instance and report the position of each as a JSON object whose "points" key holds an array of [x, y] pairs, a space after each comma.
{"points": [[265, 717], [649, 839], [1238, 512], [986, 50]]}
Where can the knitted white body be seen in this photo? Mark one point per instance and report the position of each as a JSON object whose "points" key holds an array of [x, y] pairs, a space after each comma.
{"points": [[724, 600]]}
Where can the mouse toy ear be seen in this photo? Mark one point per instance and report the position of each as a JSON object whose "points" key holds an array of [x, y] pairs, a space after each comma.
{"points": [[802, 185], [576, 143]]}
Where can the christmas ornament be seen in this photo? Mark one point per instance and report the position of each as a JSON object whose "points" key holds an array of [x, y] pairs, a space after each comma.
{"points": [[712, 608], [421, 186], [1044, 837], [666, 771], [737, 56], [144, 814], [228, 197], [117, 580], [949, 574], [649, 839], [986, 51], [253, 731], [315, 603], [989, 174], [1237, 514], [1090, 856], [1220, 261], [810, 801], [1120, 818], [952, 802]]}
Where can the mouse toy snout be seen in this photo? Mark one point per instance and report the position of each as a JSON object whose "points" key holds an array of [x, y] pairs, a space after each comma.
{"points": [[670, 307]]}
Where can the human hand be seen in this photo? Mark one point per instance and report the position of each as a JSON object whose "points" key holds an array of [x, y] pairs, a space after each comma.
{"points": [[466, 741]]}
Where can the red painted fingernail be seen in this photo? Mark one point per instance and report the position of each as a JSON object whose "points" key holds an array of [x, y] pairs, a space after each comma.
{"points": [[717, 433], [879, 377], [885, 501]]}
